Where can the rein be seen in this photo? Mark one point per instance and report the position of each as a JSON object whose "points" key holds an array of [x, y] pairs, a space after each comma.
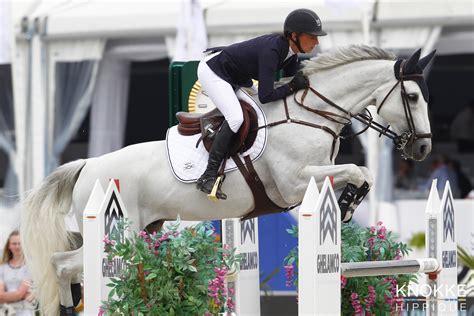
{"points": [[295, 121], [400, 141]]}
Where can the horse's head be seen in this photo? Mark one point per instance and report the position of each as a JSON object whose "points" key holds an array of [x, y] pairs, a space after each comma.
{"points": [[404, 105]]}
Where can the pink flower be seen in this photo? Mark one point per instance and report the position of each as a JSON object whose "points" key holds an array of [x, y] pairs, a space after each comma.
{"points": [[163, 237], [101, 312], [216, 286], [372, 229], [143, 234], [397, 255], [370, 299], [343, 281], [290, 273], [230, 304], [107, 241], [371, 241], [356, 304]]}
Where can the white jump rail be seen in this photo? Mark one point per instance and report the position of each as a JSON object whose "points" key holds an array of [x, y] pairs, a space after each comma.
{"points": [[319, 251]]}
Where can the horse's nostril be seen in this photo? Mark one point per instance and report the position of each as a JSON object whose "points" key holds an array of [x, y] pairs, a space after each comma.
{"points": [[423, 149]]}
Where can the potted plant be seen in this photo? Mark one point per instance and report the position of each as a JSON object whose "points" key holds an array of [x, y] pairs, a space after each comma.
{"points": [[363, 295], [170, 272]]}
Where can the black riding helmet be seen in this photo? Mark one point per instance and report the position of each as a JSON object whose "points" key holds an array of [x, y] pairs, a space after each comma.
{"points": [[302, 21]]}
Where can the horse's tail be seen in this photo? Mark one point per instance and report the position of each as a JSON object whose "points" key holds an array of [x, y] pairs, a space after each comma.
{"points": [[43, 230]]}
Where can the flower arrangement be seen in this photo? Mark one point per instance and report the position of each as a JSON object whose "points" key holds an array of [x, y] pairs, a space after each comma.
{"points": [[363, 295], [170, 272]]}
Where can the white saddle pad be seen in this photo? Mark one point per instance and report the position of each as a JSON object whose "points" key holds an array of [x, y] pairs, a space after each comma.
{"points": [[188, 162]]}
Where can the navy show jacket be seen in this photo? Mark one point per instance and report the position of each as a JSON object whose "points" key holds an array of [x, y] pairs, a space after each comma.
{"points": [[259, 58]]}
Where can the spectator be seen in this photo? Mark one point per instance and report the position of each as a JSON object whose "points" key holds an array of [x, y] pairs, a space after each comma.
{"points": [[462, 128], [15, 278], [405, 178], [442, 171], [464, 183]]}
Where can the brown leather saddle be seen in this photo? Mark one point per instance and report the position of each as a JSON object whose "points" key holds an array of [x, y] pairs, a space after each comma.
{"points": [[209, 123]]}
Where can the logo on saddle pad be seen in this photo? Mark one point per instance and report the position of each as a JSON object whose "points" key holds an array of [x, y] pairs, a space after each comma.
{"points": [[328, 218]]}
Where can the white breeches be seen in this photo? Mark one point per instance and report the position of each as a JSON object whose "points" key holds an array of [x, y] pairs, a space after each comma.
{"points": [[222, 94]]}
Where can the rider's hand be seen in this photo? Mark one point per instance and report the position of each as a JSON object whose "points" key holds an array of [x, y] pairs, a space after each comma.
{"points": [[298, 82]]}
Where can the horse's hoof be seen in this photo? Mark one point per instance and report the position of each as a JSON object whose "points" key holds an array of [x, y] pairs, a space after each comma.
{"points": [[66, 311], [346, 216], [76, 293]]}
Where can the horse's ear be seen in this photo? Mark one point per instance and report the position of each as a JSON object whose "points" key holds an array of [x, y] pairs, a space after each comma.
{"points": [[410, 65], [426, 60]]}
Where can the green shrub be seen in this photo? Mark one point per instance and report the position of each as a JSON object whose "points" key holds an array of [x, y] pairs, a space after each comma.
{"points": [[169, 273], [363, 295]]}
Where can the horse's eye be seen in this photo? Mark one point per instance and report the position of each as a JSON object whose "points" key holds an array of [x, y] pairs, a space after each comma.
{"points": [[412, 97]]}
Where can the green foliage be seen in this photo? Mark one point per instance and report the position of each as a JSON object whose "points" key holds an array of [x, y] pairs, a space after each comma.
{"points": [[468, 261], [372, 295], [417, 240], [169, 273]]}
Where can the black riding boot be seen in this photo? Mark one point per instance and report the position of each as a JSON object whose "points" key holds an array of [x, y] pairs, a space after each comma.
{"points": [[218, 151]]}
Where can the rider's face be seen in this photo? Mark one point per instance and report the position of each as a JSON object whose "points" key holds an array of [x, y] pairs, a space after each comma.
{"points": [[308, 42]]}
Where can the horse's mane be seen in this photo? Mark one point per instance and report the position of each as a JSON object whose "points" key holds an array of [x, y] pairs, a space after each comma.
{"points": [[345, 55]]}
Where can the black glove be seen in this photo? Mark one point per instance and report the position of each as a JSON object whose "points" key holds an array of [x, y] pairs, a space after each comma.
{"points": [[298, 82]]}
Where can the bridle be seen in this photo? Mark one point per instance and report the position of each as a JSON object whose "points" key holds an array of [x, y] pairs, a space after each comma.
{"points": [[400, 140], [411, 135]]}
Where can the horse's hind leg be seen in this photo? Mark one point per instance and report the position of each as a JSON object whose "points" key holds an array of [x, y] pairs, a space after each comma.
{"points": [[154, 227], [67, 266]]}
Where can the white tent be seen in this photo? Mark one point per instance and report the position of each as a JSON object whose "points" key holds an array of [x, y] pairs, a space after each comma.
{"points": [[57, 39]]}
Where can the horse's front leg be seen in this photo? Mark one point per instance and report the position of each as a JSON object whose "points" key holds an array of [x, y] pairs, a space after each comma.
{"points": [[356, 181]]}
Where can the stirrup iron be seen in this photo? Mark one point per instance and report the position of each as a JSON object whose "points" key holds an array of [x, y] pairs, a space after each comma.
{"points": [[213, 195]]}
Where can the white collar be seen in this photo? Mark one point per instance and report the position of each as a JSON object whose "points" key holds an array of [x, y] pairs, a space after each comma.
{"points": [[290, 53]]}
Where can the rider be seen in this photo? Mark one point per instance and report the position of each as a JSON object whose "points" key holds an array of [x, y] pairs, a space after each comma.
{"points": [[228, 68]]}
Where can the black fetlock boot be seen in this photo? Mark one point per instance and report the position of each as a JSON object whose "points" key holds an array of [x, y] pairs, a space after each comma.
{"points": [[350, 198], [66, 311], [218, 152]]}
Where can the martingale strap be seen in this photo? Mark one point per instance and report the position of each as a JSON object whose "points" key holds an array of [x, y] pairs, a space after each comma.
{"points": [[295, 121], [262, 203]]}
